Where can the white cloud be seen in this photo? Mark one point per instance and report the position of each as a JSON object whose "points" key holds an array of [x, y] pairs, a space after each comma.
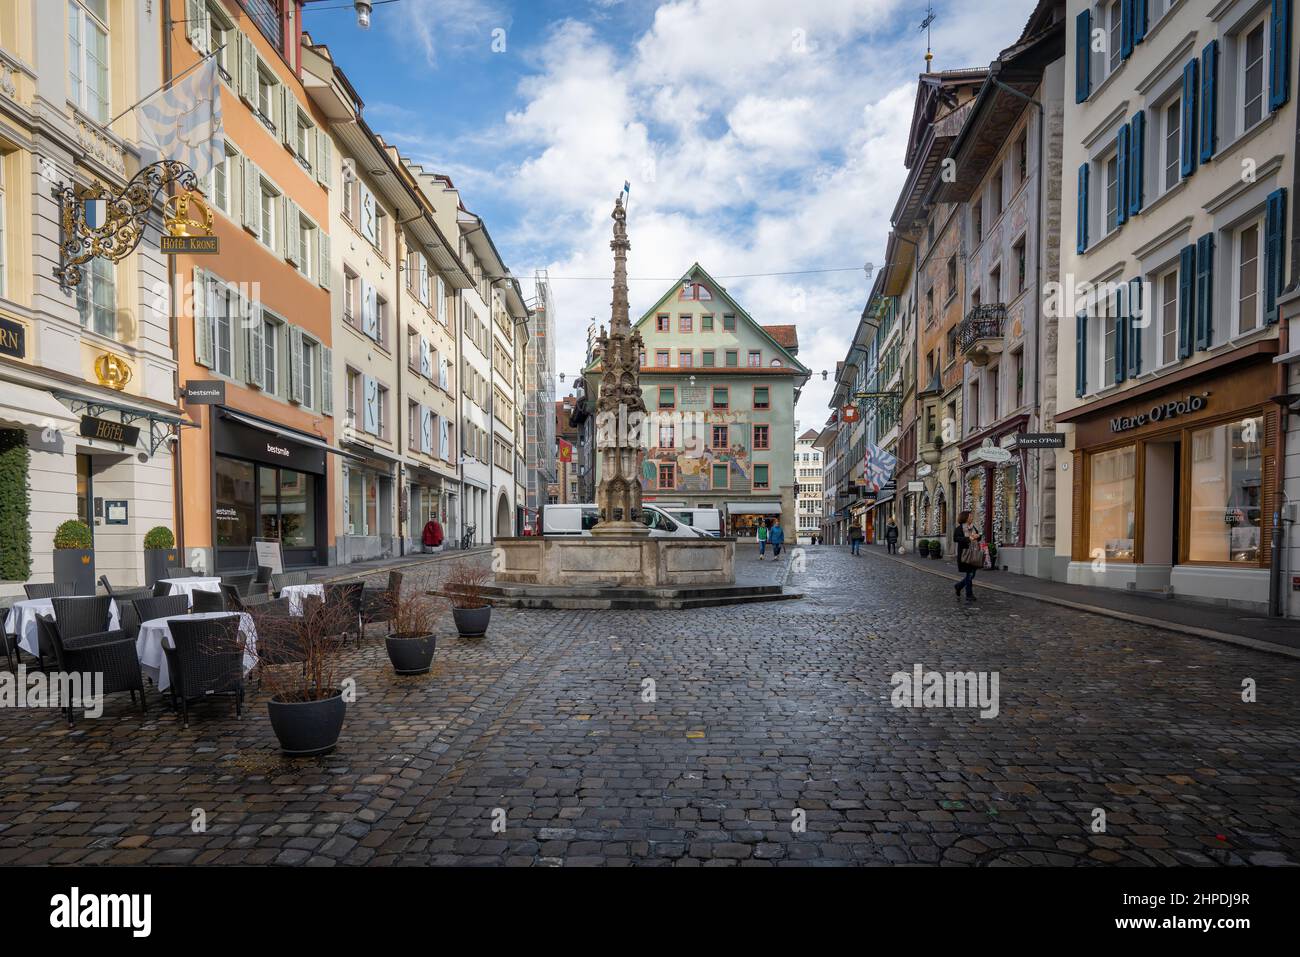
{"points": [[437, 26]]}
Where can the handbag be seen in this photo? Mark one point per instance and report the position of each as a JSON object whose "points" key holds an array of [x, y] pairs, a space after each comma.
{"points": [[971, 556]]}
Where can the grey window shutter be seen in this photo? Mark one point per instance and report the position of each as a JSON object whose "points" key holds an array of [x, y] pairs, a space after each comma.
{"points": [[247, 68], [323, 272], [202, 320], [370, 396], [295, 364], [256, 339], [326, 380], [291, 251], [252, 194], [324, 159], [426, 430], [196, 21]]}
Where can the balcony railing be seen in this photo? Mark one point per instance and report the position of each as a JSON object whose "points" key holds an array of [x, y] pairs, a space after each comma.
{"points": [[980, 333]]}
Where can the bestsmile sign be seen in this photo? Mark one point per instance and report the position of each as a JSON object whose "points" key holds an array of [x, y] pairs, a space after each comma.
{"points": [[1163, 412]]}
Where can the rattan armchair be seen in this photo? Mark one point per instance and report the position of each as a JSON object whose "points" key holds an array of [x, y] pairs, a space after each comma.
{"points": [[179, 571], [208, 601], [378, 603], [109, 654], [351, 597], [46, 589], [207, 661], [287, 578]]}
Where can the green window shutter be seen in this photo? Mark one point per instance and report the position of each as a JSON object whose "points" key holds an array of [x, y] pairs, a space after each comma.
{"points": [[1205, 291], [1140, 18], [1209, 100], [1082, 56], [326, 380], [247, 68], [256, 340], [252, 194], [1274, 252], [323, 271], [1186, 304], [1081, 354], [1189, 139], [324, 159], [292, 253], [1126, 28], [196, 24], [295, 364], [1081, 214], [203, 344], [1279, 54], [1137, 144]]}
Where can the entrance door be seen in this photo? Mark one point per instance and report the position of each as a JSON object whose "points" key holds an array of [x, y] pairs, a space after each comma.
{"points": [[1160, 505], [86, 493]]}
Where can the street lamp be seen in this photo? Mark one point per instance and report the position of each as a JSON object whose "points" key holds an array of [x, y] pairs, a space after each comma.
{"points": [[363, 13]]}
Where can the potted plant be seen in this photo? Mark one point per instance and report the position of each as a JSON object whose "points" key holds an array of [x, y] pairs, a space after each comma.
{"points": [[464, 589], [160, 554], [993, 557], [936, 548], [413, 619], [923, 547], [298, 657], [74, 557]]}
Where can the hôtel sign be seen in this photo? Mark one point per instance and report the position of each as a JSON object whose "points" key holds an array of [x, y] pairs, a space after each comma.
{"points": [[1163, 412]]}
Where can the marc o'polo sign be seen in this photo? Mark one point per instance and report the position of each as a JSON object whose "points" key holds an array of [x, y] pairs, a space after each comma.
{"points": [[204, 392], [13, 338], [93, 428], [1163, 412]]}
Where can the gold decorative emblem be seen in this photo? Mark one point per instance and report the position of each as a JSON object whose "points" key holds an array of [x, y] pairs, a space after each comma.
{"points": [[177, 215], [113, 371]]}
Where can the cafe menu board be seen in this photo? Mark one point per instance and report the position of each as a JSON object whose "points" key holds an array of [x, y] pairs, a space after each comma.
{"points": [[269, 554]]}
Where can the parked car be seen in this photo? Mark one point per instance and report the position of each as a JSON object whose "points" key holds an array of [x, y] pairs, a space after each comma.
{"points": [[580, 519]]}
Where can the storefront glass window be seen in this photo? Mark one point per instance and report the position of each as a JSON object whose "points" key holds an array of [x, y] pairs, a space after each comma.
{"points": [[1113, 497], [297, 509], [1225, 493], [233, 496], [356, 502], [372, 506]]}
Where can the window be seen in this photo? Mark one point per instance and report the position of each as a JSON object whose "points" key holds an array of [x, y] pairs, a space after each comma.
{"points": [[667, 475], [217, 187], [720, 475], [88, 57], [721, 399], [998, 190], [271, 356], [267, 221], [349, 193], [755, 359], [686, 323], [728, 323], [1018, 255], [351, 292], [952, 275], [761, 397], [685, 358], [266, 87], [1226, 485], [1251, 57], [1116, 35], [761, 437], [309, 349], [977, 220], [707, 358], [1169, 317], [1022, 158], [761, 480], [733, 358], [1109, 356], [661, 357], [306, 140], [720, 437], [1173, 136], [995, 283], [305, 241], [667, 397], [382, 403], [1112, 194], [97, 297], [1249, 277], [974, 402], [706, 322], [995, 379], [667, 437], [663, 322], [1110, 530]]}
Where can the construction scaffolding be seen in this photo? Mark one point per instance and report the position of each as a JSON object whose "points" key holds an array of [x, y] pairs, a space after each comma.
{"points": [[539, 379]]}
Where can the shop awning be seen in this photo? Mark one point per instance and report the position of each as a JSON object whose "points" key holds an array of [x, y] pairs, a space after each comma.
{"points": [[753, 508], [301, 438], [31, 408], [884, 497]]}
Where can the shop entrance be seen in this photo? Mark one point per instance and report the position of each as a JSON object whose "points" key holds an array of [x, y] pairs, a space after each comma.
{"points": [[1162, 482]]}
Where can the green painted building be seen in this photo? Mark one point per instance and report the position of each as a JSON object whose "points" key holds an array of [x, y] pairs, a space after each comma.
{"points": [[720, 391]]}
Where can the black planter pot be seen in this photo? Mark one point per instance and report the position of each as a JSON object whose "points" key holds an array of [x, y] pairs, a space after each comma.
{"points": [[305, 728], [472, 622], [75, 567], [936, 551], [411, 654], [156, 563]]}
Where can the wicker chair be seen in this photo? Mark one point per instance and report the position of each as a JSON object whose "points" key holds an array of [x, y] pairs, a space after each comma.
{"points": [[234, 601], [161, 589], [110, 654], [241, 581], [103, 580], [351, 596], [46, 589], [124, 595], [264, 573], [208, 601], [178, 571], [81, 616], [11, 647], [378, 602], [287, 578], [170, 606], [207, 661]]}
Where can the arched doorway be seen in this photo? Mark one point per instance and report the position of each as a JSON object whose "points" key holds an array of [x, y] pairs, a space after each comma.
{"points": [[504, 524]]}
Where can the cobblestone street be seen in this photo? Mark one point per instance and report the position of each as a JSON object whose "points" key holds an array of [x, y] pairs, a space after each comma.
{"points": [[763, 716]]}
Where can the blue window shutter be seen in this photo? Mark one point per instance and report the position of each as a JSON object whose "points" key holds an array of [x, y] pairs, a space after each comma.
{"points": [[1139, 20], [1137, 320], [1189, 119], [1121, 174], [1121, 321], [1081, 354], [1081, 228], [1186, 305], [1137, 145], [1126, 28], [1209, 100], [1279, 54], [1205, 291], [1274, 252], [1082, 56]]}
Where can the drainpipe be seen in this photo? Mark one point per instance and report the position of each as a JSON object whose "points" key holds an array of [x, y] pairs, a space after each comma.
{"points": [[178, 482]]}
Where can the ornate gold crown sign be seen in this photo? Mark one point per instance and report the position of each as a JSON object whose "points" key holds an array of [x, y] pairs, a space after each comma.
{"points": [[188, 220], [112, 371]]}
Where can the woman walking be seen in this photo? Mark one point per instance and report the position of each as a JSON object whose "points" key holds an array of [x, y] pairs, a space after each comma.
{"points": [[970, 557]]}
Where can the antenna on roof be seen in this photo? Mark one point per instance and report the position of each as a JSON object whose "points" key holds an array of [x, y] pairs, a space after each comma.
{"points": [[925, 25]]}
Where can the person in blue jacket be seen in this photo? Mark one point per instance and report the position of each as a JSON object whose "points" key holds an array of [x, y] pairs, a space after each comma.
{"points": [[776, 538]]}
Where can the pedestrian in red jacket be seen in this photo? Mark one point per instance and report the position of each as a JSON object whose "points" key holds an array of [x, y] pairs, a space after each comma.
{"points": [[432, 534]]}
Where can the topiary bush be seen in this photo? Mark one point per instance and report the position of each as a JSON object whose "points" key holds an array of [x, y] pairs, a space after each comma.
{"points": [[73, 534], [160, 536], [15, 507]]}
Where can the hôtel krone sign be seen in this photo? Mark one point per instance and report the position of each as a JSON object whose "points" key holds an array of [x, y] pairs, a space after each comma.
{"points": [[1160, 413]]}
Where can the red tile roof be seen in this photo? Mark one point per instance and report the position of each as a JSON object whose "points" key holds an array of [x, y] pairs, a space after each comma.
{"points": [[786, 336]]}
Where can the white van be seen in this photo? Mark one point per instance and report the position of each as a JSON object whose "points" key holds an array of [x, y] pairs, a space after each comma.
{"points": [[580, 519], [707, 520]]}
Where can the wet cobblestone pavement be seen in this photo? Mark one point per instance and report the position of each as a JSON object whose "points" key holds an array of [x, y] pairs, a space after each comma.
{"points": [[537, 746]]}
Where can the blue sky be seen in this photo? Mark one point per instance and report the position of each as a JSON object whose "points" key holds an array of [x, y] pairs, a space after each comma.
{"points": [[760, 136]]}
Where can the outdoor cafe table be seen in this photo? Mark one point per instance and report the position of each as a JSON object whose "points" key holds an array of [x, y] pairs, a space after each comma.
{"points": [[21, 621], [149, 644], [296, 593], [188, 586]]}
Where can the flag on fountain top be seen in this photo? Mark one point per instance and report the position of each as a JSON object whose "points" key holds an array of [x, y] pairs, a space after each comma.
{"points": [[184, 122]]}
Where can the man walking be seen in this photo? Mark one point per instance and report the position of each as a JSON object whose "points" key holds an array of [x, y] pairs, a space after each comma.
{"points": [[762, 538], [777, 537], [891, 537], [855, 540]]}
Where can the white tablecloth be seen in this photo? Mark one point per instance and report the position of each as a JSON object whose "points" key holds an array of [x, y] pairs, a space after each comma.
{"points": [[21, 621], [296, 593], [149, 644], [188, 586]]}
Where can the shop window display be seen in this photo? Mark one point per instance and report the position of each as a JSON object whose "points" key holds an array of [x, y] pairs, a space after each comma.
{"points": [[1225, 489]]}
